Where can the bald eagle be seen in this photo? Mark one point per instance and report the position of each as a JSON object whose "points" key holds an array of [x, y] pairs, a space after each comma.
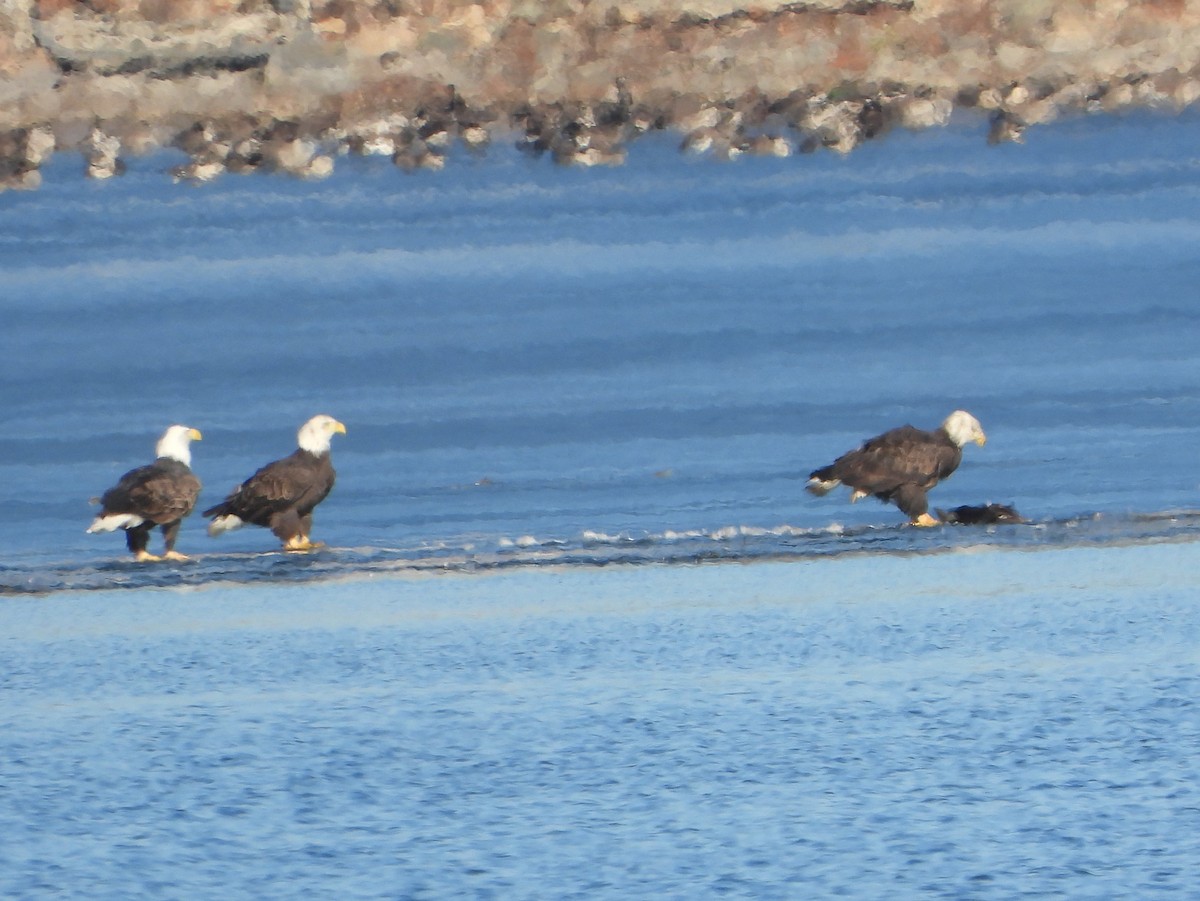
{"points": [[901, 465], [281, 495], [161, 493]]}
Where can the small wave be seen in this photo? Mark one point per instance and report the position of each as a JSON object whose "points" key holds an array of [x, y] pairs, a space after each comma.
{"points": [[723, 533], [529, 541], [596, 548]]}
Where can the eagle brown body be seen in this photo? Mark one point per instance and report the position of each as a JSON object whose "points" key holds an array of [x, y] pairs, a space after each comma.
{"points": [[897, 467], [281, 496], [901, 465]]}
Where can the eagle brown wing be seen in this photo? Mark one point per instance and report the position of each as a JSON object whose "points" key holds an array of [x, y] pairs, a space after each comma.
{"points": [[165, 491], [897, 458], [297, 482]]}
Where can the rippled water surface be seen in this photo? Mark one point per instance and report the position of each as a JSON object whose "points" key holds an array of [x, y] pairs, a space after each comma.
{"points": [[579, 631], [988, 725]]}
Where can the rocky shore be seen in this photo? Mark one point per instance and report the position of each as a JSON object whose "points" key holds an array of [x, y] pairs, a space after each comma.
{"points": [[289, 85]]}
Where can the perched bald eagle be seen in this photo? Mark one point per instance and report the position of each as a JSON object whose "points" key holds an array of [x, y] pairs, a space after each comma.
{"points": [[901, 465], [281, 495], [159, 494]]}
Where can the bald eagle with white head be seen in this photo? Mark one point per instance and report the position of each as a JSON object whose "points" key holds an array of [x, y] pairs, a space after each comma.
{"points": [[161, 493], [901, 465], [281, 496]]}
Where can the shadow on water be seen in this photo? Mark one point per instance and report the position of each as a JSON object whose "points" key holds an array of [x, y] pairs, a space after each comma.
{"points": [[738, 544]]}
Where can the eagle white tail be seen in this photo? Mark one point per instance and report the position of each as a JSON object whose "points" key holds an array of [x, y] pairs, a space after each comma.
{"points": [[114, 521], [821, 487], [222, 524]]}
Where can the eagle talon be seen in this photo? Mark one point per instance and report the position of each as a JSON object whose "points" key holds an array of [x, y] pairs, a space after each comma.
{"points": [[146, 557], [176, 556], [300, 544], [925, 520]]}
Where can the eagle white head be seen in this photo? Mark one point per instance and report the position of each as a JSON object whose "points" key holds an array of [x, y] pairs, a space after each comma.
{"points": [[315, 435], [175, 442], [962, 427]]}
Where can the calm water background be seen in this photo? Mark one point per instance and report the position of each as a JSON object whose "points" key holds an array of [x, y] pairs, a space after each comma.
{"points": [[553, 371]]}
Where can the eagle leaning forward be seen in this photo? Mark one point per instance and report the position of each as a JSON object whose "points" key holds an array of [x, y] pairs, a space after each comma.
{"points": [[901, 465], [281, 496], [161, 493]]}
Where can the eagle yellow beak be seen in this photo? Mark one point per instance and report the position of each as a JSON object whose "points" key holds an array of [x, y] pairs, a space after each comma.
{"points": [[195, 435], [338, 428], [981, 440]]}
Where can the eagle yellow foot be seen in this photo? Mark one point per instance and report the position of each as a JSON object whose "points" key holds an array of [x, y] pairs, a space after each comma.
{"points": [[146, 557], [175, 555], [301, 543], [925, 520]]}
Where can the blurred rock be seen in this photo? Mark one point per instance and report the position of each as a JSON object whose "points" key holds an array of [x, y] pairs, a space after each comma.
{"points": [[102, 152], [570, 79]]}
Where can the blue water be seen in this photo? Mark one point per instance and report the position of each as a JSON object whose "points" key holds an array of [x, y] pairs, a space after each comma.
{"points": [[579, 631], [526, 352], [989, 725]]}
